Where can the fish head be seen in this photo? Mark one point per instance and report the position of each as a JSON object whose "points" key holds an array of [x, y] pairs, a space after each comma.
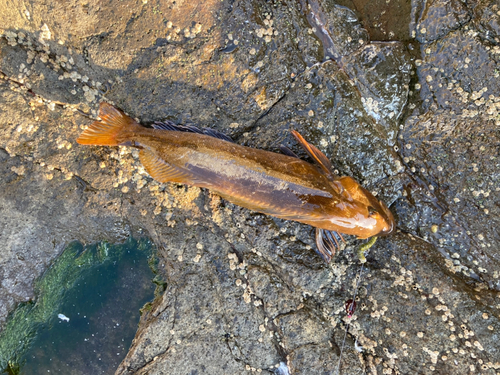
{"points": [[373, 217]]}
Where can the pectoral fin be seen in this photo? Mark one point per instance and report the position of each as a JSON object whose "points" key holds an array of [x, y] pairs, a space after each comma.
{"points": [[286, 151], [161, 171], [327, 243]]}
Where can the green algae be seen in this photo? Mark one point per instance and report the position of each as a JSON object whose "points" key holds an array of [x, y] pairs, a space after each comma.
{"points": [[67, 271], [12, 368]]}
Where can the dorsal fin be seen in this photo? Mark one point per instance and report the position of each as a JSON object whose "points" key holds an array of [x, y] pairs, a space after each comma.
{"points": [[286, 151], [216, 134], [166, 125], [314, 153], [161, 171], [169, 125]]}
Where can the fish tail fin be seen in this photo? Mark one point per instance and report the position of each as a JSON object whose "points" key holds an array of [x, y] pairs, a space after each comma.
{"points": [[110, 130]]}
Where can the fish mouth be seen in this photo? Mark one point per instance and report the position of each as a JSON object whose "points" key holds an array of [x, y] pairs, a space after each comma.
{"points": [[389, 220], [388, 229]]}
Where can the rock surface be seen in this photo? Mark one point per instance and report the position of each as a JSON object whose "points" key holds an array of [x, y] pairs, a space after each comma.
{"points": [[419, 123]]}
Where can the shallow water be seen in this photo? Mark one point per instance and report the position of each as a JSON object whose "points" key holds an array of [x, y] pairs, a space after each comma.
{"points": [[103, 307]]}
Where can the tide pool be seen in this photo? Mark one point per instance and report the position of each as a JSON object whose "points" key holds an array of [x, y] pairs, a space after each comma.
{"points": [[86, 311]]}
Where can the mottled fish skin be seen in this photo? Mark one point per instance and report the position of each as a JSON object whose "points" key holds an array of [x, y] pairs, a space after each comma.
{"points": [[267, 182]]}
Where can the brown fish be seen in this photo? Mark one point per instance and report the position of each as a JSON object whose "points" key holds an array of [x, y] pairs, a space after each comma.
{"points": [[274, 184]]}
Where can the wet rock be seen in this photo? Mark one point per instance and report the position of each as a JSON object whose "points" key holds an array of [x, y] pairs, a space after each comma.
{"points": [[325, 107], [453, 151], [385, 98], [487, 20], [459, 72], [338, 28], [384, 21], [431, 20], [456, 162]]}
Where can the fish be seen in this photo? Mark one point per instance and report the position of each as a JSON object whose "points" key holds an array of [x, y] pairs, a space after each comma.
{"points": [[280, 185]]}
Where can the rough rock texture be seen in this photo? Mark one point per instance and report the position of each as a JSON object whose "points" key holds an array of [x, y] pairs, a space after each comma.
{"points": [[419, 123]]}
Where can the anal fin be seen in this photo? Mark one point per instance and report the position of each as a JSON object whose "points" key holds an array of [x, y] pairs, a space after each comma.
{"points": [[161, 171]]}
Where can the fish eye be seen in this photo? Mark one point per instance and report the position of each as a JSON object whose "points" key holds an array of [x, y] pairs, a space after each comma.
{"points": [[371, 211]]}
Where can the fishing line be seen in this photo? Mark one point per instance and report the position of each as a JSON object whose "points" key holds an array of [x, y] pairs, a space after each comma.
{"points": [[361, 256], [349, 323]]}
